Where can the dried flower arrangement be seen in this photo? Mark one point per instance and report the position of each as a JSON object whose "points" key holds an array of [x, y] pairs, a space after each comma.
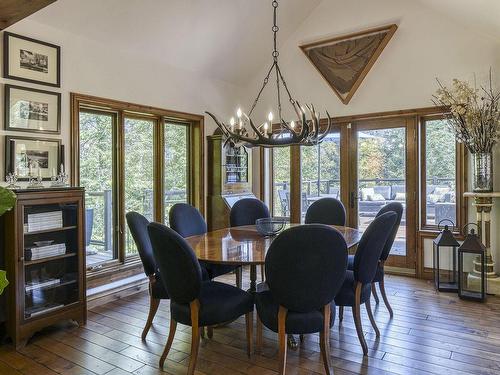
{"points": [[474, 113]]}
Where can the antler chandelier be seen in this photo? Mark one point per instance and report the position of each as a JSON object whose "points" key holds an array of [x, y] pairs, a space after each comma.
{"points": [[304, 132]]}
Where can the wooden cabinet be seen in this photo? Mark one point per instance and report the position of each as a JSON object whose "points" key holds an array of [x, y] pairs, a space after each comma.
{"points": [[44, 254], [229, 179]]}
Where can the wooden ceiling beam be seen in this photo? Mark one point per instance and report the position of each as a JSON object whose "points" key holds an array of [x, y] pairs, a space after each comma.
{"points": [[12, 11]]}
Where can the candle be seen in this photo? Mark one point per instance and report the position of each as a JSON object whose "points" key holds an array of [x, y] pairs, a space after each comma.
{"points": [[62, 168], [39, 173], [53, 172], [30, 169]]}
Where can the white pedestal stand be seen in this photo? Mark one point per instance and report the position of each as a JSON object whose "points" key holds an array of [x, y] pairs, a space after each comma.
{"points": [[484, 204]]}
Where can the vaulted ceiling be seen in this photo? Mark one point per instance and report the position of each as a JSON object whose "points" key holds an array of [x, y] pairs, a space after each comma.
{"points": [[228, 40], [224, 39]]}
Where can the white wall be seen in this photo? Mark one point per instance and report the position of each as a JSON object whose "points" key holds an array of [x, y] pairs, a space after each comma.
{"points": [[425, 46], [100, 70]]}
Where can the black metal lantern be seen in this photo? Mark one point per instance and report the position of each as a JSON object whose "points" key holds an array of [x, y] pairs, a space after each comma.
{"points": [[445, 259], [471, 268]]}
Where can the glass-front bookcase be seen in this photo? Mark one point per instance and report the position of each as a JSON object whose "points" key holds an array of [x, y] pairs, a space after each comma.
{"points": [[45, 256]]}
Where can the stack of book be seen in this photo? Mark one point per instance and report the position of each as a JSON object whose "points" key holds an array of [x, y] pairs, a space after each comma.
{"points": [[45, 221], [45, 251], [40, 284]]}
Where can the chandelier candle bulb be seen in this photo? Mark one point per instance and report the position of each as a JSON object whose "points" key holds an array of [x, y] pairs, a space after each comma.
{"points": [[239, 113]]}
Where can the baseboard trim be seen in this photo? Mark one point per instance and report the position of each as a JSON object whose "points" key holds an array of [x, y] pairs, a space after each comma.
{"points": [[399, 271], [116, 290]]}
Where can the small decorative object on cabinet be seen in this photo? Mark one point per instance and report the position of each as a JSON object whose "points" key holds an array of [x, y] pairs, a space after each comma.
{"points": [[471, 268], [43, 248], [229, 179], [445, 259]]}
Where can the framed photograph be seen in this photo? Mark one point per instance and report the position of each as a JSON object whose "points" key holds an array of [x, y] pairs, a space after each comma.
{"points": [[345, 61], [31, 60], [32, 110], [40, 154]]}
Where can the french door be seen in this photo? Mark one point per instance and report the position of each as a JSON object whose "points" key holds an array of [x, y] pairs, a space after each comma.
{"points": [[381, 158]]}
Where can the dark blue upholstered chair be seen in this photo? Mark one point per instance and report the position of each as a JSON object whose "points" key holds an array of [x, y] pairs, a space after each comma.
{"points": [[379, 276], [305, 268], [356, 289], [187, 221], [138, 226], [329, 211], [194, 302], [245, 212]]}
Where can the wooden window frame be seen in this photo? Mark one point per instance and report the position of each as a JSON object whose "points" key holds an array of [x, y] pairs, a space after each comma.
{"points": [[80, 102], [460, 179], [343, 122]]}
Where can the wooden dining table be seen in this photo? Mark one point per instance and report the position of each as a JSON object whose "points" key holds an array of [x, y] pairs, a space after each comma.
{"points": [[246, 246]]}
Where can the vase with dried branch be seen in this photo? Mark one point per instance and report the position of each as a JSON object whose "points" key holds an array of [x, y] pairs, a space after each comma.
{"points": [[474, 117]]}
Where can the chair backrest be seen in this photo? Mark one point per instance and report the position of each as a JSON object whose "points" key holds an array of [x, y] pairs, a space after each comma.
{"points": [[138, 226], [246, 211], [398, 209], [371, 245], [186, 220], [329, 211], [306, 266], [179, 268]]}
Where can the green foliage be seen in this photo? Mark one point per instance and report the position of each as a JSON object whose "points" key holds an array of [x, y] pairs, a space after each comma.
{"points": [[97, 165], [7, 200], [381, 155], [3, 281]]}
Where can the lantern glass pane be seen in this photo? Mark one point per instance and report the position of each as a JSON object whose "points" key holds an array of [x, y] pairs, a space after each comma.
{"points": [[447, 266], [471, 282]]}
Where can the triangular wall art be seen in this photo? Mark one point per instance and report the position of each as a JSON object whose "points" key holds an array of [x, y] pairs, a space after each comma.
{"points": [[345, 61]]}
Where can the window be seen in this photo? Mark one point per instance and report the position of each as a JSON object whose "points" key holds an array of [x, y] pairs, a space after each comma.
{"points": [[176, 159], [97, 170], [439, 173], [320, 171], [139, 172], [131, 158], [281, 181]]}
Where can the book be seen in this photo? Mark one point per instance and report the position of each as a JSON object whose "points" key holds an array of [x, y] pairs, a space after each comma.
{"points": [[45, 221]]}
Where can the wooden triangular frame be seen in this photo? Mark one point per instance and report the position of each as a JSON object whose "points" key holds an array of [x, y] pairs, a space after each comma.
{"points": [[389, 30]]}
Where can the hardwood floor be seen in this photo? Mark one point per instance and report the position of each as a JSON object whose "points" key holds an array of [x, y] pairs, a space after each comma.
{"points": [[430, 334]]}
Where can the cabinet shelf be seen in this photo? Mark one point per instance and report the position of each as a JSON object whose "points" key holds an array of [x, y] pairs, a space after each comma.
{"points": [[48, 259], [53, 286], [54, 230]]}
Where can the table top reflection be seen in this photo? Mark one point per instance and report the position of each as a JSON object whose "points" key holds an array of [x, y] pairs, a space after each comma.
{"points": [[244, 245]]}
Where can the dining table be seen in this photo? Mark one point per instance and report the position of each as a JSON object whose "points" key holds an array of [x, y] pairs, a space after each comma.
{"points": [[245, 246]]}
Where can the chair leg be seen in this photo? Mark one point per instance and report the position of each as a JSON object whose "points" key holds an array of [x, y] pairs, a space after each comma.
{"points": [[370, 315], [341, 313], [375, 295], [170, 339], [282, 340], [381, 285], [153, 308], [195, 335], [258, 339], [249, 324], [301, 338], [357, 318], [210, 332], [263, 272], [239, 277], [324, 342]]}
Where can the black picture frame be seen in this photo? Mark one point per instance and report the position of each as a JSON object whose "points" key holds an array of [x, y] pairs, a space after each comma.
{"points": [[6, 59], [10, 160], [7, 112]]}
